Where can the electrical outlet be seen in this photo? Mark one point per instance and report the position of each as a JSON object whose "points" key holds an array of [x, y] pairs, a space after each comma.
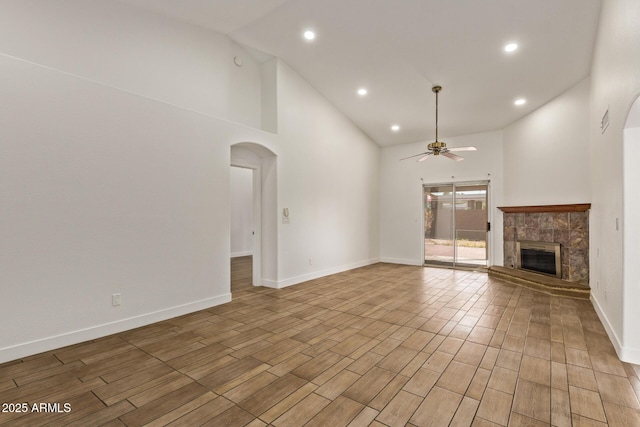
{"points": [[310, 261], [605, 296], [116, 299]]}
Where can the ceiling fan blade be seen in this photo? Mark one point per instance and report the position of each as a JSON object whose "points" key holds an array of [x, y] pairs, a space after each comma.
{"points": [[453, 156], [423, 158], [470, 148], [415, 155]]}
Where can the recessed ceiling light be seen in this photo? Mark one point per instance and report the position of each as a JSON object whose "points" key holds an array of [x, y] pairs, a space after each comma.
{"points": [[309, 35], [395, 128], [511, 47], [520, 101], [362, 91]]}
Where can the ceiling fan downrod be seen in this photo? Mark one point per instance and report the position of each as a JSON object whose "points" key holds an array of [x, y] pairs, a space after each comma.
{"points": [[437, 145], [436, 148], [436, 89]]}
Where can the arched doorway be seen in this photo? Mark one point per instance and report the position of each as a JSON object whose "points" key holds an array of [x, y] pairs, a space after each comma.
{"points": [[263, 164], [631, 230]]}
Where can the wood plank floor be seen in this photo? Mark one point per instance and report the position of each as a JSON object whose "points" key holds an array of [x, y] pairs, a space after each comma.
{"points": [[241, 273], [383, 345]]}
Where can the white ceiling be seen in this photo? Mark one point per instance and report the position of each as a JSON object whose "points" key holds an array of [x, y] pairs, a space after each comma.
{"points": [[398, 49]]}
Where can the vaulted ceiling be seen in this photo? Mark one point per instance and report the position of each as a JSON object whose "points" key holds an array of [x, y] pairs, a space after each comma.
{"points": [[399, 49]]}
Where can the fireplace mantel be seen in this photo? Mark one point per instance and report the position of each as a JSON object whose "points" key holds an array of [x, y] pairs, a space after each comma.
{"points": [[582, 207]]}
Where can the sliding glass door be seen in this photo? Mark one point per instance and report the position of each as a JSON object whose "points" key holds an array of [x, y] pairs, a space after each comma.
{"points": [[456, 224], [438, 224]]}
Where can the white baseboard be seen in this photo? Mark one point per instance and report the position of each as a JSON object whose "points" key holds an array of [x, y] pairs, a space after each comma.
{"points": [[626, 354], [239, 254], [322, 273], [402, 261], [270, 283], [51, 343], [630, 355], [607, 325]]}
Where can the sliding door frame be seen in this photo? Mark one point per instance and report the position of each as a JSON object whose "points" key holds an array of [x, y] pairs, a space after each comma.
{"points": [[454, 185]]}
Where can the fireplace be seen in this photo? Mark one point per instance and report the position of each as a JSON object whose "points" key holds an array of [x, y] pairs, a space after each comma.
{"points": [[540, 257], [567, 225]]}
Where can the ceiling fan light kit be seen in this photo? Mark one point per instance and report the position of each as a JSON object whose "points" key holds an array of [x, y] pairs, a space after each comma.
{"points": [[438, 147]]}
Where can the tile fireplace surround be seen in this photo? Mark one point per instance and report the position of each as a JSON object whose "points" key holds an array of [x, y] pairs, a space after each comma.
{"points": [[564, 224]]}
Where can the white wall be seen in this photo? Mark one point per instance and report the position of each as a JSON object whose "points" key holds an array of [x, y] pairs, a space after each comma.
{"points": [[615, 84], [631, 250], [135, 51], [241, 212], [114, 170], [401, 215], [328, 179], [115, 136], [106, 192], [269, 95], [546, 153]]}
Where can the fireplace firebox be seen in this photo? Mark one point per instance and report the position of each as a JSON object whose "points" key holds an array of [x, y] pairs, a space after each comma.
{"points": [[540, 257]]}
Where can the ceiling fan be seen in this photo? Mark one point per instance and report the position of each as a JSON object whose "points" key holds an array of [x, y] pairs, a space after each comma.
{"points": [[436, 148]]}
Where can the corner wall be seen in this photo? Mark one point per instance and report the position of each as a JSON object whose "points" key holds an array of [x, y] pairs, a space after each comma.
{"points": [[328, 179]]}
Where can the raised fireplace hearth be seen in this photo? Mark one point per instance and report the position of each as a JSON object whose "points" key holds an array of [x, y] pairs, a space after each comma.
{"points": [[540, 282], [564, 225]]}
